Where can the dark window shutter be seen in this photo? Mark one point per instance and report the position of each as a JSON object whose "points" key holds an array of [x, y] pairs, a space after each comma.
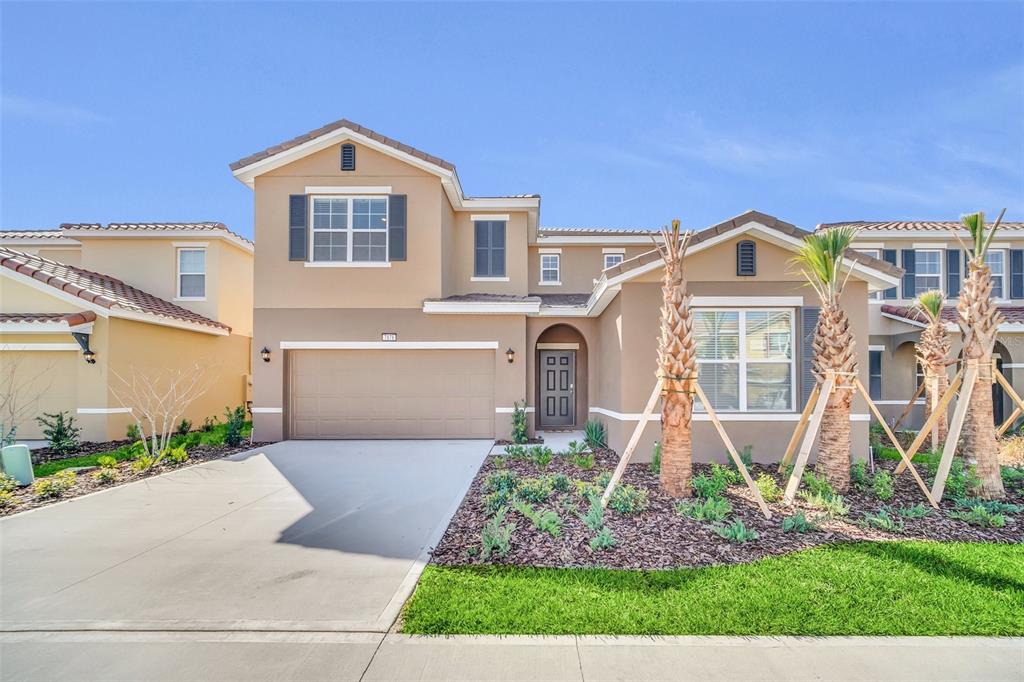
{"points": [[297, 234], [953, 273], [1016, 273], [397, 223], [875, 374], [909, 262], [889, 256], [348, 157], [746, 258], [808, 321]]}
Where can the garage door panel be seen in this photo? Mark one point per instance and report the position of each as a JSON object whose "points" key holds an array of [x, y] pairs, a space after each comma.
{"points": [[391, 394]]}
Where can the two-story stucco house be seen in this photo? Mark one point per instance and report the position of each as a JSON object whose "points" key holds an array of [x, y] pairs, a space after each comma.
{"points": [[932, 257], [84, 304], [393, 305]]}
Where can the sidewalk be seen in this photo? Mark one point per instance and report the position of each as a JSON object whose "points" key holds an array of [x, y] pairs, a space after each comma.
{"points": [[344, 656]]}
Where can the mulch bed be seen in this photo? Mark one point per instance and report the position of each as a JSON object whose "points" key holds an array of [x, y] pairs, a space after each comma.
{"points": [[661, 538], [85, 484], [43, 455]]}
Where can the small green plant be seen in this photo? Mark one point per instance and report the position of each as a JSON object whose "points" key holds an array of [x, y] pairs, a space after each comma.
{"points": [[583, 460], [876, 434], [497, 501], [499, 461], [746, 456], [545, 520], [731, 476], [960, 481], [628, 500], [536, 490], [817, 485], [1012, 475], [133, 433], [979, 516], [603, 540], [235, 419], [736, 532], [708, 486], [519, 427], [768, 487], [208, 424], [7, 483], [515, 451], [54, 486], [656, 459], [7, 499], [832, 505], [991, 506], [710, 509], [501, 480], [60, 431], [177, 455], [798, 523], [541, 456], [496, 536], [883, 486], [859, 476], [143, 463], [595, 434], [916, 511], [560, 483], [594, 518], [882, 520], [107, 462], [183, 427], [104, 476], [603, 479]]}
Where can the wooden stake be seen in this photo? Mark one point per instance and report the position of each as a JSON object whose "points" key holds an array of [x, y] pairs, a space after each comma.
{"points": [[909, 408], [923, 433], [800, 426], [1013, 396], [892, 436], [808, 443], [934, 404], [732, 450], [634, 440], [939, 485]]}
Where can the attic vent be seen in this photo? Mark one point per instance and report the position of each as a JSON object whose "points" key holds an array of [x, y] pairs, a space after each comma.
{"points": [[348, 157], [746, 258]]}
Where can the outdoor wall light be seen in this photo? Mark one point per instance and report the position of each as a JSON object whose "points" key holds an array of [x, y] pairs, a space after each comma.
{"points": [[265, 354], [83, 341], [90, 357], [511, 355]]}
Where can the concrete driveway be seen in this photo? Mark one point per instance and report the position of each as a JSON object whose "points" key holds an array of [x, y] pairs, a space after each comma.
{"points": [[297, 536]]}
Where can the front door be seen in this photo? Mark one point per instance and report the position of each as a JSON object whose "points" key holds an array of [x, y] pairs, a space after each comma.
{"points": [[557, 387]]}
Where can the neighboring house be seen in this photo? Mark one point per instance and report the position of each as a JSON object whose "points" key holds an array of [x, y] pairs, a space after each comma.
{"points": [[932, 258], [140, 298], [390, 304]]}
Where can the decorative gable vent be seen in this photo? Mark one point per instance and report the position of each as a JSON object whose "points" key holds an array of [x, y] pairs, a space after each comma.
{"points": [[746, 258], [348, 157]]}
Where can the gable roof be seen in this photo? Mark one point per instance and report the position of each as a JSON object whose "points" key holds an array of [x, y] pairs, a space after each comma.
{"points": [[211, 228], [945, 226], [104, 294]]}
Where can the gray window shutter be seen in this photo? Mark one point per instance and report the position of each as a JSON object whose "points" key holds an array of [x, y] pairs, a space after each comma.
{"points": [[297, 227], [397, 223], [889, 256], [909, 258], [952, 273], [1016, 273], [348, 157], [808, 321], [746, 258]]}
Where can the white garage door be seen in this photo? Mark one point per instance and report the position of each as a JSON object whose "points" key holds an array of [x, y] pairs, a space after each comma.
{"points": [[391, 393]]}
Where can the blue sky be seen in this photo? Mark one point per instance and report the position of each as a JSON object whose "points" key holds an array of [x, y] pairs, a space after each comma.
{"points": [[617, 114]]}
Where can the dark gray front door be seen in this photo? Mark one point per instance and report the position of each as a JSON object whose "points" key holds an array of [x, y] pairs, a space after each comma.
{"points": [[557, 387]]}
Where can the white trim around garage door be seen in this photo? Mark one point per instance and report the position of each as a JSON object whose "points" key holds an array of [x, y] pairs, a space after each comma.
{"points": [[267, 410], [389, 345], [39, 346], [723, 416]]}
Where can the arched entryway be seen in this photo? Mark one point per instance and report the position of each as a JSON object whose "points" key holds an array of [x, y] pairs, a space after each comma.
{"points": [[1001, 403], [561, 381]]}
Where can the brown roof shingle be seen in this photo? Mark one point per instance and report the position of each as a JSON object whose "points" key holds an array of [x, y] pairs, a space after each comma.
{"points": [[31, 234], [949, 314], [908, 225], [73, 319], [154, 227], [99, 289]]}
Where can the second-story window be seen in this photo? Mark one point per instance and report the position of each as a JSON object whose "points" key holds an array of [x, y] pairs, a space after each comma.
{"points": [[550, 268], [612, 259], [928, 270], [874, 253], [996, 262], [489, 248], [350, 229], [192, 273]]}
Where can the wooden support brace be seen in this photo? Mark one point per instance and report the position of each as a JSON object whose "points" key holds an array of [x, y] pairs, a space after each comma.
{"points": [[1018, 410], [934, 417], [931, 408], [809, 436], [939, 485], [800, 426], [634, 440], [910, 406], [732, 451]]}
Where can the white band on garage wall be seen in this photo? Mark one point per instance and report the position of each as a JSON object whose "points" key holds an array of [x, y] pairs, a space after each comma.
{"points": [[104, 410], [40, 346], [389, 345], [723, 416], [267, 410], [510, 410]]}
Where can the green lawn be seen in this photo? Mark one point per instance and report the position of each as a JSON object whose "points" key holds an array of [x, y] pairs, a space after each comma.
{"points": [[894, 588]]}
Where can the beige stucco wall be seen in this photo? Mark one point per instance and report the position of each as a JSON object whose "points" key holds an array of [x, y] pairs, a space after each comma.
{"points": [[462, 261], [71, 255], [580, 265]]}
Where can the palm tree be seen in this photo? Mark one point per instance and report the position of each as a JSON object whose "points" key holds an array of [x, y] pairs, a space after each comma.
{"points": [[979, 320], [820, 259], [933, 353], [677, 362]]}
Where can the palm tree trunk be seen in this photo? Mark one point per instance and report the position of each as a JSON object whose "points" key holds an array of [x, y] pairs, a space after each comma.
{"points": [[834, 445], [941, 381], [979, 439], [834, 349], [677, 441]]}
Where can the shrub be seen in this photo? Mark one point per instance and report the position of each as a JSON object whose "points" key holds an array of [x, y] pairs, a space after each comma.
{"points": [[960, 481], [736, 532], [817, 485], [235, 422], [603, 540], [7, 483], [107, 462], [595, 434], [7, 499], [177, 455], [603, 479], [560, 483], [519, 427], [1012, 475], [769, 489], [916, 511], [515, 451], [143, 462], [60, 431], [798, 523], [882, 521], [497, 500], [883, 486], [710, 509], [594, 518], [746, 456], [496, 536], [708, 486], [656, 459], [545, 520], [859, 476], [54, 486], [833, 505], [731, 476], [537, 490], [876, 434], [208, 424], [991, 506], [133, 433], [184, 427], [627, 500], [979, 516], [104, 476], [541, 456], [502, 480], [583, 460]]}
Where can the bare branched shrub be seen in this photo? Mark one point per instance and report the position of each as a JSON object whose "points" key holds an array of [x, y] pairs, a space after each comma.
{"points": [[20, 393]]}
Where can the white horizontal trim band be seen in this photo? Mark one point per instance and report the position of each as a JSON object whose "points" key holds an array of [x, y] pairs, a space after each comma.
{"points": [[510, 410], [613, 250], [48, 327], [1012, 365], [723, 416], [267, 410], [488, 279], [39, 347], [104, 410], [481, 307], [389, 345], [550, 250], [559, 346], [899, 402], [489, 216], [549, 284], [346, 264], [374, 189], [748, 301], [190, 245], [876, 347]]}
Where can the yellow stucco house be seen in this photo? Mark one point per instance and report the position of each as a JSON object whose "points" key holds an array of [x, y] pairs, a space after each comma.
{"points": [[84, 304]]}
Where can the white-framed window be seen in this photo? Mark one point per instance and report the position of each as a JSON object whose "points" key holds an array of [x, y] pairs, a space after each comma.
{"points": [[349, 229], [745, 359], [612, 259], [191, 273], [996, 262], [874, 253], [927, 270], [550, 268]]}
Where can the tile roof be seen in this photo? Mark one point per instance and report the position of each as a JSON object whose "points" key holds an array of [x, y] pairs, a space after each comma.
{"points": [[99, 289], [73, 319], [909, 225], [564, 300], [599, 230], [30, 234], [331, 127], [153, 227], [949, 314], [486, 298]]}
